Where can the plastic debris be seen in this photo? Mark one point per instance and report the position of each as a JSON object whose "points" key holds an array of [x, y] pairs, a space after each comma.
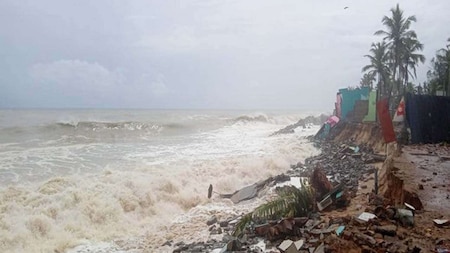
{"points": [[339, 230]]}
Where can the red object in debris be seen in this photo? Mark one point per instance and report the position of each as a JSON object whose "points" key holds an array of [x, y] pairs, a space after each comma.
{"points": [[385, 119]]}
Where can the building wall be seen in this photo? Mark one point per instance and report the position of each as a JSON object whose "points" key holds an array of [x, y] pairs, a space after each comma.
{"points": [[349, 97], [371, 115]]}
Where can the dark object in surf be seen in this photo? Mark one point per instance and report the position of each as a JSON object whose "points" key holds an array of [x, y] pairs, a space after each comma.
{"points": [[210, 190]]}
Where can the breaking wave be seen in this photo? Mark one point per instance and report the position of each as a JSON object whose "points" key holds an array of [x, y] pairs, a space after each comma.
{"points": [[91, 181], [252, 118], [98, 126]]}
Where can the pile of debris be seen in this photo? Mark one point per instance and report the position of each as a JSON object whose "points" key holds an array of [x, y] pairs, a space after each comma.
{"points": [[344, 164], [334, 175]]}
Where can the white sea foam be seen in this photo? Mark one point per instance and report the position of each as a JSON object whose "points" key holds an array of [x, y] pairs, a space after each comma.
{"points": [[88, 194]]}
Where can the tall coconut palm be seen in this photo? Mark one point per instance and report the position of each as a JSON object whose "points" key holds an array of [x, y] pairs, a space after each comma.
{"points": [[379, 66], [397, 31], [410, 58]]}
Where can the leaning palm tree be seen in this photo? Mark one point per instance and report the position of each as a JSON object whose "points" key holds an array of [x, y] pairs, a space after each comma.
{"points": [[397, 30], [378, 66]]}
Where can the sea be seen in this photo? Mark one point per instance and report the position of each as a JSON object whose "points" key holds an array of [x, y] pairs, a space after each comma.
{"points": [[90, 180]]}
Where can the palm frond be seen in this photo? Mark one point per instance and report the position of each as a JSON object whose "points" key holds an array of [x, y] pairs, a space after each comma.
{"points": [[290, 202]]}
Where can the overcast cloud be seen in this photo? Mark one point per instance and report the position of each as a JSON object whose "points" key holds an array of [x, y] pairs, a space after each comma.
{"points": [[256, 54]]}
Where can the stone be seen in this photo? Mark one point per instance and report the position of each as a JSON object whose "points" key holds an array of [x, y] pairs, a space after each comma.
{"points": [[198, 248], [168, 243], [405, 216], [420, 186], [223, 224], [179, 244], [378, 236], [227, 238], [365, 239], [181, 249], [416, 250], [211, 220], [390, 230]]}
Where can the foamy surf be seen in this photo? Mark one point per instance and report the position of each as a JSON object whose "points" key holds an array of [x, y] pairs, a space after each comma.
{"points": [[133, 195]]}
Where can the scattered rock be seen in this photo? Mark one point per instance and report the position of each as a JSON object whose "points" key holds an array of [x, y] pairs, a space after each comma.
{"points": [[223, 224], [390, 230], [405, 216], [211, 220]]}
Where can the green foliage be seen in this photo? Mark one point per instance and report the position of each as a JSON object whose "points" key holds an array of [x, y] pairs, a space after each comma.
{"points": [[439, 75], [367, 80], [379, 61], [290, 202], [394, 60]]}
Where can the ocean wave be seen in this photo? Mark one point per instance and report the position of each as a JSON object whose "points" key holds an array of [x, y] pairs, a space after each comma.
{"points": [[252, 118], [97, 125]]}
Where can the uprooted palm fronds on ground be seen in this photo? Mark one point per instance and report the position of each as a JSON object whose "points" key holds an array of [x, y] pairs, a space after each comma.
{"points": [[291, 202]]}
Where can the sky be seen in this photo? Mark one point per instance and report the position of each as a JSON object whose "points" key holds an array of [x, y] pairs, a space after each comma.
{"points": [[192, 54]]}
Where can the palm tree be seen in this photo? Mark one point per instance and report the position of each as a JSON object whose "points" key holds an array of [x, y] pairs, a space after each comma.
{"points": [[378, 66], [443, 57], [434, 78], [397, 31], [439, 75], [411, 58], [367, 80]]}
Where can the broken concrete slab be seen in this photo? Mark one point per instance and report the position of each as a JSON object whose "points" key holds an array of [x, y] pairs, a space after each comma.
{"points": [[365, 216], [289, 246], [245, 193], [441, 222], [320, 248]]}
